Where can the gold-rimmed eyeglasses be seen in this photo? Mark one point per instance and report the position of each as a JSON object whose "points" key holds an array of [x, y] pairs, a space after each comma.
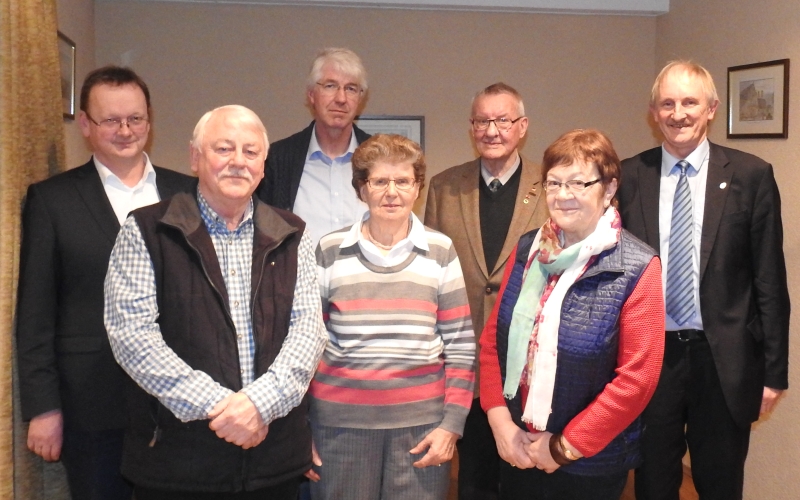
{"points": [[135, 122]]}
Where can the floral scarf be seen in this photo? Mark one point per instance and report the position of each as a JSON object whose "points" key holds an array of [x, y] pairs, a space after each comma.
{"points": [[540, 324]]}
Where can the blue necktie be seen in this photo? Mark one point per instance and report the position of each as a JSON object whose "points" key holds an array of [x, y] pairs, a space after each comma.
{"points": [[680, 274]]}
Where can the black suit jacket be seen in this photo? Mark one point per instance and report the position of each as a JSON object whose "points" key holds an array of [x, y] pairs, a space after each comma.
{"points": [[744, 298], [65, 360], [284, 167]]}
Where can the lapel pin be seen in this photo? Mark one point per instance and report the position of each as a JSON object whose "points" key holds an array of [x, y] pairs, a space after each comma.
{"points": [[723, 185]]}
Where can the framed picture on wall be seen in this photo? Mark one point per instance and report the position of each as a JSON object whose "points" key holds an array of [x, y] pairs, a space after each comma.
{"points": [[66, 62], [758, 100], [412, 127]]}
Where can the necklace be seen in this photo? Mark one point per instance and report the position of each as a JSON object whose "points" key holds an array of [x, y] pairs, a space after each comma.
{"points": [[379, 244]]}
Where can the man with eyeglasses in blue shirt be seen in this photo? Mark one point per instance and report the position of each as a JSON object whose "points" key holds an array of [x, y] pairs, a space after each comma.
{"points": [[310, 172]]}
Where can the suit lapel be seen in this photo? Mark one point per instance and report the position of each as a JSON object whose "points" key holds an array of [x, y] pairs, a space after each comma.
{"points": [[470, 206], [649, 187], [715, 201], [529, 196], [91, 191]]}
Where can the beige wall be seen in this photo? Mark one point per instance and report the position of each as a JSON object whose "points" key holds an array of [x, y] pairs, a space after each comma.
{"points": [[722, 34], [76, 21], [195, 57]]}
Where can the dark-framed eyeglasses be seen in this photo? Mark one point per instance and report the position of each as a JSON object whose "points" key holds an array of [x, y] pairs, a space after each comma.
{"points": [[351, 90], [573, 186], [503, 123], [135, 122], [401, 184]]}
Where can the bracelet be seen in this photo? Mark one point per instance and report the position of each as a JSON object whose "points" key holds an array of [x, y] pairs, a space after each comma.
{"points": [[557, 452]]}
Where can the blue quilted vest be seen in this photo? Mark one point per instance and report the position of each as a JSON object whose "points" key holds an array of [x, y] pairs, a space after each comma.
{"points": [[588, 339]]}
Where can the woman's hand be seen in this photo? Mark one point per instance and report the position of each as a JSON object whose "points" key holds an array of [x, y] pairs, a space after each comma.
{"points": [[510, 439], [440, 444], [310, 473], [539, 451]]}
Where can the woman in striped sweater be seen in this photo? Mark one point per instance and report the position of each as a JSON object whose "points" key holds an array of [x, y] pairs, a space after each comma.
{"points": [[395, 383]]}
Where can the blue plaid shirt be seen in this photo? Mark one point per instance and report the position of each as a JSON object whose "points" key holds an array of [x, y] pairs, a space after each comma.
{"points": [[131, 311]]}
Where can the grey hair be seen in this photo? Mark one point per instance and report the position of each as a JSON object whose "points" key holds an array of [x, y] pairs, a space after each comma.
{"points": [[502, 88], [695, 70], [248, 115], [344, 60]]}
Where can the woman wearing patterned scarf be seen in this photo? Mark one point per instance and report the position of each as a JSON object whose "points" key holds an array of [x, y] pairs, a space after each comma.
{"points": [[572, 352]]}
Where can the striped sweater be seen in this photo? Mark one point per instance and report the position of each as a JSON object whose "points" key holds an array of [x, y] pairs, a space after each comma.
{"points": [[401, 350]]}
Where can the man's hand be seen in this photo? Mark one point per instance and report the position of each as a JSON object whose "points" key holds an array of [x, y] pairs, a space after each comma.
{"points": [[440, 445], [237, 420], [769, 400], [46, 434], [310, 474]]}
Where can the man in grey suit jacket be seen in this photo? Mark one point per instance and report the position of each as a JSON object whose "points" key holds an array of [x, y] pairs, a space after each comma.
{"points": [[310, 172], [71, 388], [726, 350], [484, 206]]}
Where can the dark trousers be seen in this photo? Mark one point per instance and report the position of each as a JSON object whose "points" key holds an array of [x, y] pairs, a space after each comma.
{"points": [[478, 461], [535, 484], [688, 408], [92, 461], [284, 491]]}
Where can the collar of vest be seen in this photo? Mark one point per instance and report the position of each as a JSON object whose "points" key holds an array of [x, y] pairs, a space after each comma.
{"points": [[184, 214]]}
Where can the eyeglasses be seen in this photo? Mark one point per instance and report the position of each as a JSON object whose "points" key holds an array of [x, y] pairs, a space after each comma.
{"points": [[351, 90], [135, 123], [502, 123], [573, 186], [401, 184]]}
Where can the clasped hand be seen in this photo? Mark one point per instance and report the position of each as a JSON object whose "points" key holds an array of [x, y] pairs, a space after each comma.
{"points": [[237, 420]]}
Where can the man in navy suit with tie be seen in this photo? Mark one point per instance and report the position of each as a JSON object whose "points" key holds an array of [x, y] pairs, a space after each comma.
{"points": [[714, 215], [71, 388]]}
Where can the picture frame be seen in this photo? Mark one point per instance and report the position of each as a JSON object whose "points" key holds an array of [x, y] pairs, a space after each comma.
{"points": [[412, 127], [66, 62], [758, 100]]}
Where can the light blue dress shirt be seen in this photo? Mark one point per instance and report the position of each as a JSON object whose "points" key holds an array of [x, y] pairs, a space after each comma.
{"points": [[326, 199]]}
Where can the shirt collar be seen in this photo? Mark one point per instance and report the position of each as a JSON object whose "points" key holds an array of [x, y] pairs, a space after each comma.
{"points": [[215, 223], [416, 236], [110, 178], [315, 152], [487, 176], [696, 159]]}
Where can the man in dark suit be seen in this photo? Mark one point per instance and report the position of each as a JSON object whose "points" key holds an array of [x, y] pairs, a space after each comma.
{"points": [[310, 172], [714, 215], [70, 386], [484, 206]]}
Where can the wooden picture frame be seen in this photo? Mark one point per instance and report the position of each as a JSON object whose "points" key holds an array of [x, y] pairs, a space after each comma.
{"points": [[758, 100], [66, 61]]}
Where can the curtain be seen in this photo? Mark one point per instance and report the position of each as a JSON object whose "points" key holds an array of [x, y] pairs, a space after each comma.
{"points": [[31, 149]]}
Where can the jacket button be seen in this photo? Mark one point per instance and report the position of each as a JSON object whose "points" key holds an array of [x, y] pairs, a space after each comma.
{"points": [[488, 290]]}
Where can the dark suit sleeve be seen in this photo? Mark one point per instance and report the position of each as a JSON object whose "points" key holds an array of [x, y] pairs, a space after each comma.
{"points": [[37, 309], [769, 281], [431, 219]]}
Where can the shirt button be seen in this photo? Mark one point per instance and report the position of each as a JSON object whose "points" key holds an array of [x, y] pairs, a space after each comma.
{"points": [[230, 242], [239, 336], [236, 304], [241, 372], [488, 290], [233, 272]]}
